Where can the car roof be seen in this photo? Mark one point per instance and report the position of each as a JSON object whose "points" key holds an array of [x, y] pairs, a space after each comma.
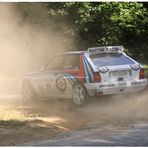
{"points": [[74, 52]]}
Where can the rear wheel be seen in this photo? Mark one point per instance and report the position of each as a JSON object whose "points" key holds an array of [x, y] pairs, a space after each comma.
{"points": [[79, 94]]}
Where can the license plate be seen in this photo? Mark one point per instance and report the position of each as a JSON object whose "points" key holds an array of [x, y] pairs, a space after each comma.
{"points": [[122, 84], [119, 73]]}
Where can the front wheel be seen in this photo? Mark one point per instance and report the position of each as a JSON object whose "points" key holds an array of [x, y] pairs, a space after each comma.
{"points": [[79, 94], [28, 93]]}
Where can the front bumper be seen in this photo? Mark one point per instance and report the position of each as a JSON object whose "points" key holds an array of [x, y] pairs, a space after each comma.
{"points": [[119, 87]]}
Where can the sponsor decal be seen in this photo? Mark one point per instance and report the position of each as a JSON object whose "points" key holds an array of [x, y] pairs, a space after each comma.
{"points": [[107, 85], [137, 83], [61, 83], [104, 49]]}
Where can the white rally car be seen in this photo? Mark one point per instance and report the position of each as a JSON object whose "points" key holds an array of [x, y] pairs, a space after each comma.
{"points": [[82, 74]]}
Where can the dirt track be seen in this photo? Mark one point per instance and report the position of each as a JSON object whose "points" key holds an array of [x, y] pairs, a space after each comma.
{"points": [[49, 119]]}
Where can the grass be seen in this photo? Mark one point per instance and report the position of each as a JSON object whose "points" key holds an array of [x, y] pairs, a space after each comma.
{"points": [[146, 68], [145, 65], [11, 114]]}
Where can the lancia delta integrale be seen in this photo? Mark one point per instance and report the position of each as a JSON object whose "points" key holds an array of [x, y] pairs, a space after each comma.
{"points": [[80, 75]]}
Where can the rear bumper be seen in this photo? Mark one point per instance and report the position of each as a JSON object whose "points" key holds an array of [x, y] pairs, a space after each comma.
{"points": [[121, 87]]}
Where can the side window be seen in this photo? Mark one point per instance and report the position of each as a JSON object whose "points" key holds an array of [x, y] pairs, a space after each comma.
{"points": [[72, 62], [64, 62], [55, 64]]}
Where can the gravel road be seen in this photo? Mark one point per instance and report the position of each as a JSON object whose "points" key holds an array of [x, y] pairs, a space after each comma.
{"points": [[109, 121], [114, 122], [135, 136]]}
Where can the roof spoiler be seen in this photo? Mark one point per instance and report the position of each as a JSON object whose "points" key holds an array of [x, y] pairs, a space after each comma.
{"points": [[106, 49]]}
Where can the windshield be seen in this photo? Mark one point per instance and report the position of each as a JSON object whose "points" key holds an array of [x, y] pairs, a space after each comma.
{"points": [[110, 59]]}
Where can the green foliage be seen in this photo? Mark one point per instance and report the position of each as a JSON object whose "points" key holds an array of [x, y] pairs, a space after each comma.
{"points": [[104, 23]]}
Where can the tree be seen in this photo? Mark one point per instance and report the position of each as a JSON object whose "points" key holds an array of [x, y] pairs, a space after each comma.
{"points": [[97, 23]]}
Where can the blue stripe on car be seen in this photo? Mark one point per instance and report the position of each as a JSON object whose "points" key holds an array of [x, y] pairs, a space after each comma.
{"points": [[88, 71], [68, 76], [71, 78]]}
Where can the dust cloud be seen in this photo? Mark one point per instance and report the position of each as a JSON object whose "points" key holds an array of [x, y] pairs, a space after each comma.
{"points": [[117, 111], [28, 38]]}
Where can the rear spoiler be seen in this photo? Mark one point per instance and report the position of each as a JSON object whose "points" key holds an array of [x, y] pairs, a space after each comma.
{"points": [[106, 49]]}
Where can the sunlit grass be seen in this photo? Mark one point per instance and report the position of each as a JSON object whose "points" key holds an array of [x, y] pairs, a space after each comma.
{"points": [[20, 115], [146, 68], [16, 113], [23, 113], [145, 65], [9, 113]]}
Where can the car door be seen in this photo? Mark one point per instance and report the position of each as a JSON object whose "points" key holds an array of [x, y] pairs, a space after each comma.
{"points": [[54, 81], [74, 66], [49, 75]]}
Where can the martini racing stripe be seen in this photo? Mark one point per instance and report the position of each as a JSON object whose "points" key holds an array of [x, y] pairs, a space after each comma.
{"points": [[71, 78], [68, 76], [88, 71]]}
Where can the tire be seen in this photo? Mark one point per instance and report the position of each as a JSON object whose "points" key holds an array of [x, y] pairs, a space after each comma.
{"points": [[28, 93], [79, 94]]}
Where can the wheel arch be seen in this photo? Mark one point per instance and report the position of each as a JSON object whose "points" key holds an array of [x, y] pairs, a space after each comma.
{"points": [[80, 83]]}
